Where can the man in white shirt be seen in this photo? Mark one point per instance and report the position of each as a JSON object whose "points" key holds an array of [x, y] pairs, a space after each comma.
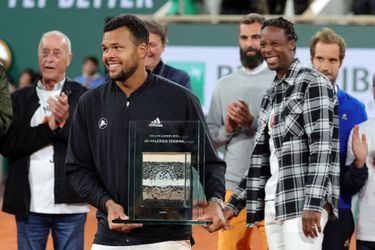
{"points": [[363, 204], [37, 191]]}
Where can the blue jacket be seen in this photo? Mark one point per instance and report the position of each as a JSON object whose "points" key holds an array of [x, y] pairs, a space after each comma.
{"points": [[173, 74], [91, 83], [351, 112]]}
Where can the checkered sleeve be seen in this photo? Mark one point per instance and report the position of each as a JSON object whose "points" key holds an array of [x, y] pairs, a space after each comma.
{"points": [[238, 199], [319, 120]]}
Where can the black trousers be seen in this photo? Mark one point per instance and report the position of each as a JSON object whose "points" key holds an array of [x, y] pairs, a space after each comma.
{"points": [[338, 233]]}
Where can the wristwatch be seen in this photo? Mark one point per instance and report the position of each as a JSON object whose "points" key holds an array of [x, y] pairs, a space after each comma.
{"points": [[217, 201]]}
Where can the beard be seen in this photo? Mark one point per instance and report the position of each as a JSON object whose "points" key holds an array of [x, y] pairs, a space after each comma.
{"points": [[124, 74], [250, 61]]}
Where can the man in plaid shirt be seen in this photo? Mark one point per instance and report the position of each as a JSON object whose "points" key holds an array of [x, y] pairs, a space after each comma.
{"points": [[293, 178]]}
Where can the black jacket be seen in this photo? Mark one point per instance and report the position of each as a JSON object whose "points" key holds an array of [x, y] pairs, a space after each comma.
{"points": [[97, 157], [22, 140]]}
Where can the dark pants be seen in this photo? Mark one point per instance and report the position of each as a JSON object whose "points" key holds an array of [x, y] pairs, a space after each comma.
{"points": [[337, 233], [365, 245], [67, 231]]}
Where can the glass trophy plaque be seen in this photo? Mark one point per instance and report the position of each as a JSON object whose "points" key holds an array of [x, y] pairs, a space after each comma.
{"points": [[166, 173]]}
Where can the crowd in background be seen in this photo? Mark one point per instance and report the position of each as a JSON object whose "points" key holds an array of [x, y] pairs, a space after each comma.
{"points": [[272, 7]]}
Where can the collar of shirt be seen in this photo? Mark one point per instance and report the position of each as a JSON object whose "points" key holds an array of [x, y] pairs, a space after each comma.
{"points": [[255, 70], [337, 90], [150, 78], [291, 74], [57, 86], [159, 68], [339, 93]]}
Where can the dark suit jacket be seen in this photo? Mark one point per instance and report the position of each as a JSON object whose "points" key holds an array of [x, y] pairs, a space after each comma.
{"points": [[22, 140]]}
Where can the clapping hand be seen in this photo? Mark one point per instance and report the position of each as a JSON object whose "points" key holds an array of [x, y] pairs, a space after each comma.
{"points": [[359, 148], [59, 107], [238, 113]]}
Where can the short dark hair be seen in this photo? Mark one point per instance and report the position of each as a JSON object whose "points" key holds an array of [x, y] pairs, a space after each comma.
{"points": [[29, 71], [33, 75], [158, 28], [93, 59], [284, 24], [252, 18], [134, 24]]}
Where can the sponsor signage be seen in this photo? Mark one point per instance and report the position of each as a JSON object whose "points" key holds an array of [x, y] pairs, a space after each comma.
{"points": [[147, 6], [206, 65]]}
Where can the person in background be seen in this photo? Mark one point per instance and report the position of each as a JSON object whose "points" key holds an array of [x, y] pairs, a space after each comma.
{"points": [[364, 202], [5, 102], [90, 78], [327, 51], [184, 7], [157, 43], [37, 191], [293, 177], [27, 77], [233, 119], [98, 153]]}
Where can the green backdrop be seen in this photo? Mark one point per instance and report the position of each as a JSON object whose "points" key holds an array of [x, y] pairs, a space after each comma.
{"points": [[22, 27]]}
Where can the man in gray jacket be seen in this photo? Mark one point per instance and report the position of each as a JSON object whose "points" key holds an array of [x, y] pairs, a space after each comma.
{"points": [[232, 121]]}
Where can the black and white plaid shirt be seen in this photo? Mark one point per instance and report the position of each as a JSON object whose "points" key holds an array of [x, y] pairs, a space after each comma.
{"points": [[305, 134]]}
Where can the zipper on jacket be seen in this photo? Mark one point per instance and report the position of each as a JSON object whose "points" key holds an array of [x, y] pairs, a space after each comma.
{"points": [[127, 103]]}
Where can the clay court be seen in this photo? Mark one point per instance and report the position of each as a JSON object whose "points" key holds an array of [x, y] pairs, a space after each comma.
{"points": [[8, 241]]}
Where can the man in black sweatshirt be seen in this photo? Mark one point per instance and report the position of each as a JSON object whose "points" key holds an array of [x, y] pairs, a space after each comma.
{"points": [[98, 151]]}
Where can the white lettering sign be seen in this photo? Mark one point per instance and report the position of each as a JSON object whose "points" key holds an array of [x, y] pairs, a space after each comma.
{"points": [[64, 4], [355, 75], [111, 4], [127, 4], [12, 3], [27, 4], [83, 4], [97, 4], [144, 4]]}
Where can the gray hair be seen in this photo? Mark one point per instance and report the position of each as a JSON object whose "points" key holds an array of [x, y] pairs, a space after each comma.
{"points": [[60, 34]]}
